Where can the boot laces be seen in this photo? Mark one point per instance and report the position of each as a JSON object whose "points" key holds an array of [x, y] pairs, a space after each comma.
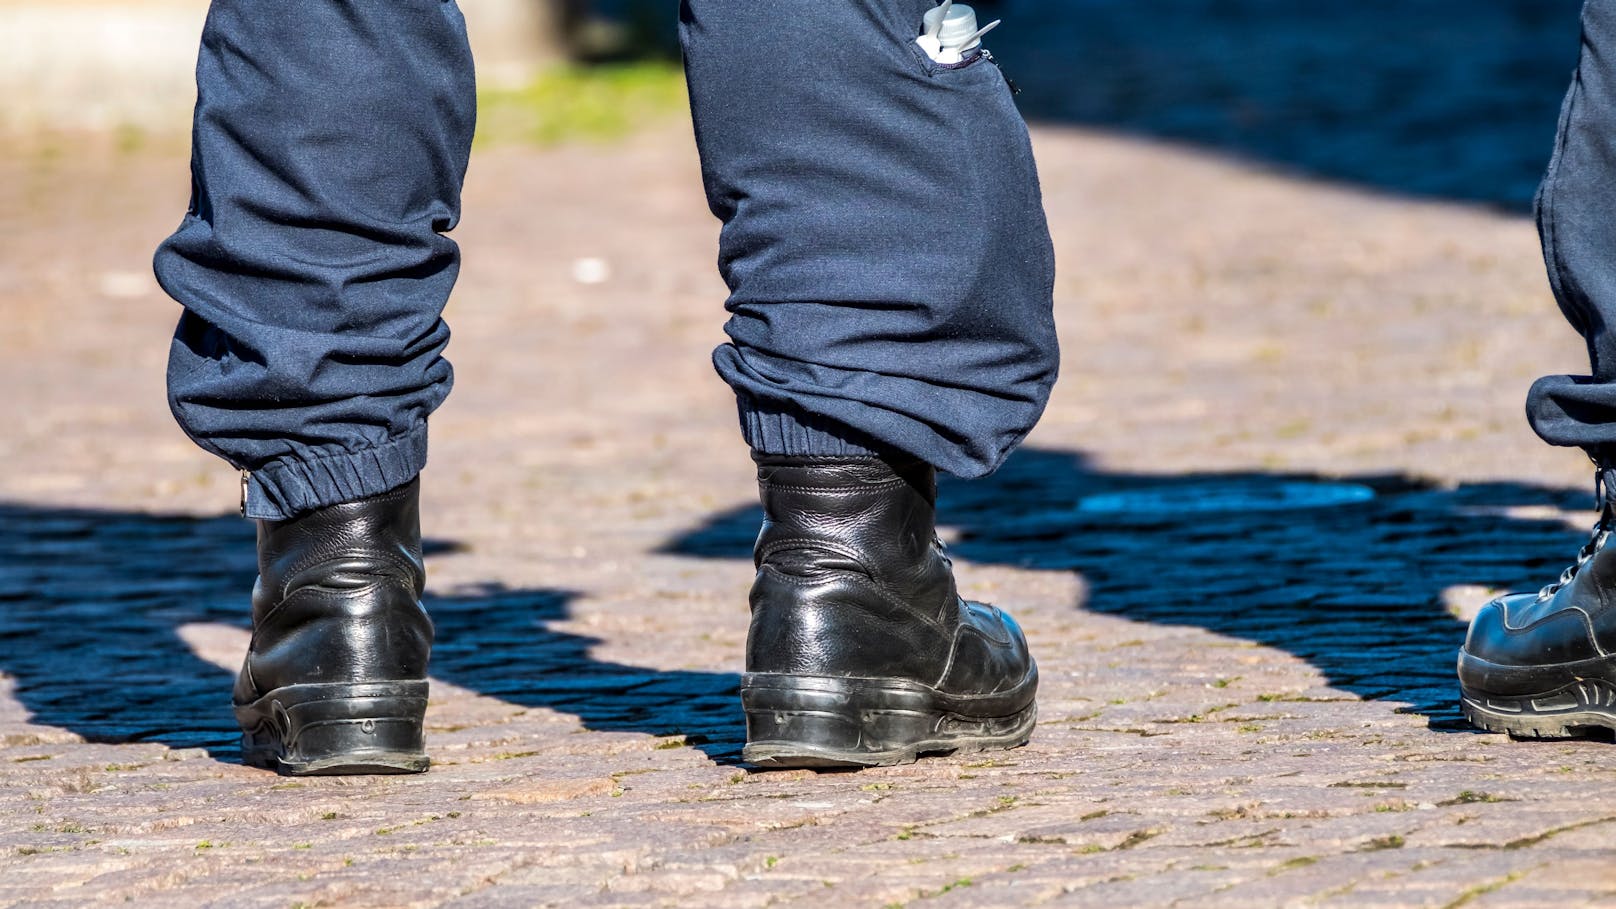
{"points": [[1596, 540]]}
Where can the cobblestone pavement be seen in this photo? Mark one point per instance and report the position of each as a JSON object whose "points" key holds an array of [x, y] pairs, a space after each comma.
{"points": [[1244, 704]]}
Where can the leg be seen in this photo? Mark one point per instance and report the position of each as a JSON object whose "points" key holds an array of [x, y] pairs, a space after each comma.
{"points": [[890, 274], [1538, 665], [884, 239], [329, 147], [330, 143], [1577, 222]]}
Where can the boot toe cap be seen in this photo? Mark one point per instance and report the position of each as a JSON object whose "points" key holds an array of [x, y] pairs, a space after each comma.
{"points": [[990, 653]]}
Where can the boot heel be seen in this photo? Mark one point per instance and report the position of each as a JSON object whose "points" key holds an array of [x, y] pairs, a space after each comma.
{"points": [[828, 722], [330, 729]]}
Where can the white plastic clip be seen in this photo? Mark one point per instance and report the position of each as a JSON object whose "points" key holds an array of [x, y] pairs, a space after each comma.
{"points": [[949, 30], [932, 27]]}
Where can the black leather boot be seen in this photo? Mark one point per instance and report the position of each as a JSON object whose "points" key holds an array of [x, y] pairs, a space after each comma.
{"points": [[335, 677], [861, 652], [1544, 665]]}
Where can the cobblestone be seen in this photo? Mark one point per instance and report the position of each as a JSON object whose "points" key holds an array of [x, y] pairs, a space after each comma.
{"points": [[1240, 706]]}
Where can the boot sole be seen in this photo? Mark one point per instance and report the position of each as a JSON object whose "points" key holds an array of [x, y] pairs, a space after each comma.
{"points": [[1572, 712], [824, 722], [1552, 701], [336, 729]]}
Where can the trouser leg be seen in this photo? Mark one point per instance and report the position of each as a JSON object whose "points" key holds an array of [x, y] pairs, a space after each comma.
{"points": [[883, 234], [1576, 213], [330, 144]]}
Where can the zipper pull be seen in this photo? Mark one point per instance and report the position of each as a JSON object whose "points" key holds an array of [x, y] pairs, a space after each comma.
{"points": [[988, 55]]}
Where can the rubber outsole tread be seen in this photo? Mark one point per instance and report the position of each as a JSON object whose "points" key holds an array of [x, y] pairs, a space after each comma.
{"points": [[337, 729], [828, 723], [1582, 709]]}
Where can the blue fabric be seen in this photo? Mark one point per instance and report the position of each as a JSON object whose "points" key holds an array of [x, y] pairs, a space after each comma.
{"points": [[1576, 214], [884, 242], [331, 140], [884, 239]]}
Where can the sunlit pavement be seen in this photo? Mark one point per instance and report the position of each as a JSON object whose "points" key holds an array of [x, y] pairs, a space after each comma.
{"points": [[1286, 460]]}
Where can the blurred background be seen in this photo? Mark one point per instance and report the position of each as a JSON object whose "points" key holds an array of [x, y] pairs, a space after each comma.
{"points": [[126, 66], [1432, 97]]}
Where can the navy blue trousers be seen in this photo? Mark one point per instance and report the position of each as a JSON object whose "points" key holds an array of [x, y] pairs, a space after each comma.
{"points": [[1576, 215], [884, 239]]}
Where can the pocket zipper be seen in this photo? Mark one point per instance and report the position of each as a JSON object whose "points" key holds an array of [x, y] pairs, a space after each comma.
{"points": [[987, 55]]}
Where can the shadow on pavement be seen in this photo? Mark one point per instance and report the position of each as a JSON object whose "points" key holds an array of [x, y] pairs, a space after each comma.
{"points": [[1439, 98], [1353, 588], [91, 601], [495, 642]]}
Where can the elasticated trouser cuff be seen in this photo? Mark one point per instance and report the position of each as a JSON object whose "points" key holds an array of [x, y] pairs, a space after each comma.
{"points": [[775, 429], [290, 486]]}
